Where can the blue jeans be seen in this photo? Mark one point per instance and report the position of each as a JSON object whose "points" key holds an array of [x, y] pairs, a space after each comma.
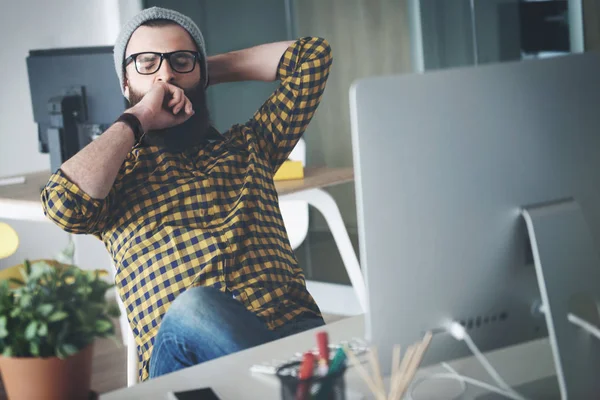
{"points": [[204, 323]]}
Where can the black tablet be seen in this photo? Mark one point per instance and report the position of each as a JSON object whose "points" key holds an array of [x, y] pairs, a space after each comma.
{"points": [[196, 394]]}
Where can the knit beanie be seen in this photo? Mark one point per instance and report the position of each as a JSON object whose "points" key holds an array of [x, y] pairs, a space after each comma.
{"points": [[151, 14]]}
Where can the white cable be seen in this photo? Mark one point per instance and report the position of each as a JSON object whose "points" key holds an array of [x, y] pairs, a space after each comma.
{"points": [[466, 379], [463, 385], [460, 333], [416, 383], [583, 324]]}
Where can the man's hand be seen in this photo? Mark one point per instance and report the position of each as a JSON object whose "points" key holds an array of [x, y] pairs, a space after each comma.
{"points": [[254, 64], [164, 106]]}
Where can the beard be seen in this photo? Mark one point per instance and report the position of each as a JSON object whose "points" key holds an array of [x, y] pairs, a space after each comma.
{"points": [[191, 133]]}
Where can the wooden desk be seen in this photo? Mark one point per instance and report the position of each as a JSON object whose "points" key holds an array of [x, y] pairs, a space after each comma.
{"points": [[315, 178]]}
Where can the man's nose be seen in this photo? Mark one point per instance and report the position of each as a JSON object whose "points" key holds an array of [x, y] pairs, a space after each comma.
{"points": [[165, 73]]}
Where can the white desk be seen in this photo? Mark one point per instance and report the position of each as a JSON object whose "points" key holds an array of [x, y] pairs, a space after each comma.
{"points": [[231, 379]]}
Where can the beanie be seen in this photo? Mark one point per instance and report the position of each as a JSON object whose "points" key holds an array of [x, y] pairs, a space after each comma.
{"points": [[150, 14]]}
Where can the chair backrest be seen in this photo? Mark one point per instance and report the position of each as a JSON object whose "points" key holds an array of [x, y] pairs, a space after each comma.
{"points": [[294, 212]]}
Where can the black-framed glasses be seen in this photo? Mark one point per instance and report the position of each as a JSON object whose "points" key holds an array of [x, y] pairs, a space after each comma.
{"points": [[148, 62]]}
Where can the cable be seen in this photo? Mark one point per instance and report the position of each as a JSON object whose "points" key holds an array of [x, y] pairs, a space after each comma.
{"points": [[585, 325], [460, 333], [463, 385], [465, 379], [456, 375]]}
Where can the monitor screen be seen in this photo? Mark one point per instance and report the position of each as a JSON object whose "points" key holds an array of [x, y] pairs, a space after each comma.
{"points": [[54, 72]]}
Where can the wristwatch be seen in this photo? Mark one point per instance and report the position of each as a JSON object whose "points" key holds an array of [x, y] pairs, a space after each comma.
{"points": [[134, 123]]}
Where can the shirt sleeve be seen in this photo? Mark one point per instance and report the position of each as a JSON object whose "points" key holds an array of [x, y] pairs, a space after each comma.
{"points": [[72, 209], [283, 118]]}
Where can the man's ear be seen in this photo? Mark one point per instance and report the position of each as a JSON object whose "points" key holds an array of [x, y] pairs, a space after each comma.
{"points": [[126, 88]]}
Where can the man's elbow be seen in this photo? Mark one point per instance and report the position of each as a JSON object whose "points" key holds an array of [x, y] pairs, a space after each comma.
{"points": [[323, 50], [60, 210]]}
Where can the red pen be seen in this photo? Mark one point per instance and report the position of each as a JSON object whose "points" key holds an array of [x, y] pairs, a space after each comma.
{"points": [[306, 372], [323, 344]]}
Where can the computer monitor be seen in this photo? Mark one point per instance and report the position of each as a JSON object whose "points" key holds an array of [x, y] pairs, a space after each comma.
{"points": [[75, 95], [446, 163]]}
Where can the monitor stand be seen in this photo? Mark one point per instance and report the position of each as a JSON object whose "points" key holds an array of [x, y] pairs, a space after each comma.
{"points": [[568, 273], [66, 112]]}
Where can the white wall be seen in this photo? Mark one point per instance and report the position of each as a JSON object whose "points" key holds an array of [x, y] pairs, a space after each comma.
{"points": [[42, 24]]}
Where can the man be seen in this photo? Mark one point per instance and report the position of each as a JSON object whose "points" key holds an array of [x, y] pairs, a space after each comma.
{"points": [[190, 216]]}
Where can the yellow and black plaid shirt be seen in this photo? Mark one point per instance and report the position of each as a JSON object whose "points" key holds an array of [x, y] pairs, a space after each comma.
{"points": [[207, 216]]}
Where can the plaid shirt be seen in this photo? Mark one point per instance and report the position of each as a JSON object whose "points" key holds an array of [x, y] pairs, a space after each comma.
{"points": [[207, 216]]}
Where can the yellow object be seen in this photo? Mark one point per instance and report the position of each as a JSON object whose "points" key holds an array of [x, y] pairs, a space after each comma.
{"points": [[12, 272], [9, 240], [289, 170]]}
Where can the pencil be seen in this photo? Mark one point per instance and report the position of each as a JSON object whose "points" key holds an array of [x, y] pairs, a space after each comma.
{"points": [[395, 364], [361, 371], [414, 364], [377, 373], [408, 355]]}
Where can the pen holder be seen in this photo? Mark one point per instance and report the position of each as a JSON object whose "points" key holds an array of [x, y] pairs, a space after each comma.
{"points": [[330, 387]]}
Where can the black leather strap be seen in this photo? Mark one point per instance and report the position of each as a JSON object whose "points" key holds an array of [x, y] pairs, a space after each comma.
{"points": [[134, 123]]}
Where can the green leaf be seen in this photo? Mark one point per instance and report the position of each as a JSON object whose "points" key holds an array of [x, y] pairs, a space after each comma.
{"points": [[4, 288], [34, 348], [15, 312], [31, 330], [43, 329], [16, 281], [7, 351], [46, 309], [25, 300], [113, 311], [81, 316], [25, 272], [68, 349], [39, 269], [3, 330], [103, 326], [84, 290], [58, 316]]}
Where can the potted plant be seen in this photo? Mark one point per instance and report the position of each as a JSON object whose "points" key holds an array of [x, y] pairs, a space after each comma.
{"points": [[49, 319]]}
